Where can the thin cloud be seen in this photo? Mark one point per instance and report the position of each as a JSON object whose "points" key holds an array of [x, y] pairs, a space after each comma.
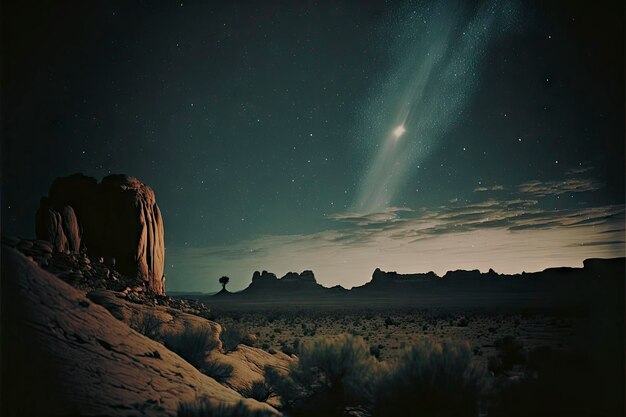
{"points": [[578, 170], [554, 188], [499, 234], [485, 189]]}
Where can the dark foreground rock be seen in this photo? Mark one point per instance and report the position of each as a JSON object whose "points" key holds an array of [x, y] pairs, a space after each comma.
{"points": [[64, 355], [89, 274], [117, 220]]}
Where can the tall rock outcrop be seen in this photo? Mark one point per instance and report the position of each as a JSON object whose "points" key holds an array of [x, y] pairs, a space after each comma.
{"points": [[117, 219]]}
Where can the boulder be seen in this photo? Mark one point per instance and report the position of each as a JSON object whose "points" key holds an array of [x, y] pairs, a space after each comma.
{"points": [[117, 219]]}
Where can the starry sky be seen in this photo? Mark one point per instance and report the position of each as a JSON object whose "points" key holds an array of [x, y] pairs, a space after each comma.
{"points": [[332, 136]]}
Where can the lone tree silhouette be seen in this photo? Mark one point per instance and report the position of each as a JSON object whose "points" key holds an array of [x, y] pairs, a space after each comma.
{"points": [[224, 281]]}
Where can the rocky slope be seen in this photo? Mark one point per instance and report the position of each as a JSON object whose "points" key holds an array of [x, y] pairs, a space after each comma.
{"points": [[117, 220], [63, 354]]}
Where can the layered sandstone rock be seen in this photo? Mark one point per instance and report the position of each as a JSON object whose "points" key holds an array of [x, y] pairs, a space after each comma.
{"points": [[117, 219]]}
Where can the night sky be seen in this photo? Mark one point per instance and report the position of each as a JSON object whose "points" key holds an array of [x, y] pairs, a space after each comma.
{"points": [[337, 137]]}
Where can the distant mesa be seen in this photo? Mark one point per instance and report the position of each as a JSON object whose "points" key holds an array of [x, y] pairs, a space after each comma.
{"points": [[117, 219], [292, 282], [460, 287]]}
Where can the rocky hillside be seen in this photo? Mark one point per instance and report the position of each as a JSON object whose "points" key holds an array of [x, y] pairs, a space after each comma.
{"points": [[87, 329], [64, 354]]}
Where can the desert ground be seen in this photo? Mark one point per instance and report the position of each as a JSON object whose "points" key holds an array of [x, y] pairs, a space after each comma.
{"points": [[389, 331]]}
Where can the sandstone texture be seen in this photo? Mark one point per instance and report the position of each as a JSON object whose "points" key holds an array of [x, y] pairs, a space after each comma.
{"points": [[65, 355], [117, 220]]}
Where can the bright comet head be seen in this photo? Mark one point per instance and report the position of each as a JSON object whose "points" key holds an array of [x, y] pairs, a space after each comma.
{"points": [[399, 131]]}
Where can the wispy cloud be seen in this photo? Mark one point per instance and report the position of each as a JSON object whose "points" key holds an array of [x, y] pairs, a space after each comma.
{"points": [[583, 169], [509, 235], [492, 188], [390, 214], [553, 188]]}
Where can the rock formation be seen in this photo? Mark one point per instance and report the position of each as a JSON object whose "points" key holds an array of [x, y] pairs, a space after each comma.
{"points": [[267, 283], [117, 220]]}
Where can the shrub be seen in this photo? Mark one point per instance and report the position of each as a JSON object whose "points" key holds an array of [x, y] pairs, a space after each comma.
{"points": [[219, 371], [231, 337], [389, 322], [510, 352], [148, 325], [192, 344], [430, 379], [259, 390], [375, 351], [287, 349], [330, 374], [202, 407]]}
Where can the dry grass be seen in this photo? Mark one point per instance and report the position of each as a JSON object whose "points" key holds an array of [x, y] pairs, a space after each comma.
{"points": [[192, 344], [202, 407]]}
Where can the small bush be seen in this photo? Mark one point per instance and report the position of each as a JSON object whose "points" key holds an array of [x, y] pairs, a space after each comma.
{"points": [[331, 373], [287, 349], [202, 407], [510, 353], [219, 371], [192, 344], [430, 379], [231, 337], [463, 322], [259, 391], [148, 325], [375, 351]]}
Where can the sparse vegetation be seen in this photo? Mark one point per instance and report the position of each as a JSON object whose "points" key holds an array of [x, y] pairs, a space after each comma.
{"points": [[333, 374], [329, 375], [510, 353], [202, 407], [432, 379], [147, 324], [232, 336], [258, 390], [192, 344], [218, 370]]}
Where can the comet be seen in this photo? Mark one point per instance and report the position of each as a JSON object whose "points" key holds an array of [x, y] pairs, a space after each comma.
{"points": [[436, 67]]}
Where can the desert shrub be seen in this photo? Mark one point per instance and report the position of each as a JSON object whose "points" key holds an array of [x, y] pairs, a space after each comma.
{"points": [[287, 349], [148, 325], [202, 407], [375, 351], [258, 390], [390, 322], [219, 371], [232, 336], [463, 322], [430, 379], [192, 344], [330, 374], [510, 353]]}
